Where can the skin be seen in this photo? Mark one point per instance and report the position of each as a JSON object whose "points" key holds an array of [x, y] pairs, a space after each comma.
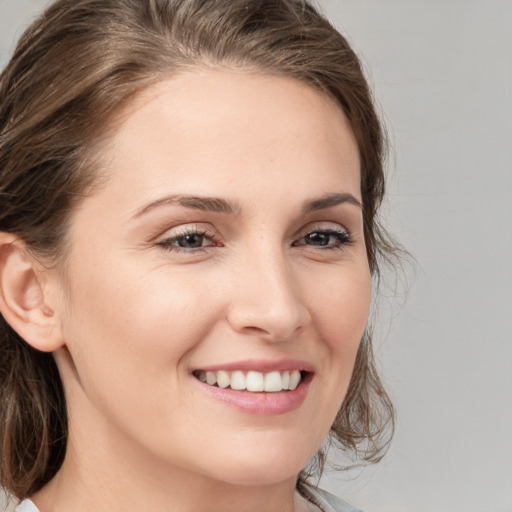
{"points": [[136, 313]]}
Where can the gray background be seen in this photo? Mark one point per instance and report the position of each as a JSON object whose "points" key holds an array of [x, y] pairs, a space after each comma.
{"points": [[442, 73]]}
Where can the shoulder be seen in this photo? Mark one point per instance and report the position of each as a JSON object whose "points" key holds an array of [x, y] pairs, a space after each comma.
{"points": [[328, 502], [26, 506]]}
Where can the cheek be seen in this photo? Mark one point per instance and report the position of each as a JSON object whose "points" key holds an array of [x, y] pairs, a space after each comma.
{"points": [[124, 329], [142, 316], [342, 306], [341, 319], [130, 340]]}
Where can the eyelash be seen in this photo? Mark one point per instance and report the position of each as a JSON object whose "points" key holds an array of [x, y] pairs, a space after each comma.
{"points": [[342, 237]]}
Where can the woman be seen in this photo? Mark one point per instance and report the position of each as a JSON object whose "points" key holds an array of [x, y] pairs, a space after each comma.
{"points": [[189, 193]]}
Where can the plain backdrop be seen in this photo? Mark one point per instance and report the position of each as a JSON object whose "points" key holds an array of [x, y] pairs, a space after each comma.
{"points": [[442, 75]]}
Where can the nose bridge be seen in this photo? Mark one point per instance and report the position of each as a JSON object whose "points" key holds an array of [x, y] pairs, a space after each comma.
{"points": [[267, 300]]}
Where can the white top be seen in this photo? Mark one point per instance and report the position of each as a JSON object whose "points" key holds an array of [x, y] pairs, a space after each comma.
{"points": [[326, 501], [26, 506]]}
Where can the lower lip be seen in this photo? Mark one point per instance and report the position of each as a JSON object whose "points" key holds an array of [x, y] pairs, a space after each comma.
{"points": [[264, 404]]}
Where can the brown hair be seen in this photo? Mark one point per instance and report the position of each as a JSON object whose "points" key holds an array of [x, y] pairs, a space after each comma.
{"points": [[71, 71]]}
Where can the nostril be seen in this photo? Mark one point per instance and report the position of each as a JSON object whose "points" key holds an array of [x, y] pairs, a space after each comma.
{"points": [[254, 330]]}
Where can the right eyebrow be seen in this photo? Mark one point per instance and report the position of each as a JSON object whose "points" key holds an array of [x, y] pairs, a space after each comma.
{"points": [[210, 204], [330, 201]]}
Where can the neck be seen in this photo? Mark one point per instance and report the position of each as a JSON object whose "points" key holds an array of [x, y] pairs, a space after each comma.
{"points": [[188, 495]]}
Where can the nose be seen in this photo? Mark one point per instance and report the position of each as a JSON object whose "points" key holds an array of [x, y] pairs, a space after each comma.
{"points": [[266, 300]]}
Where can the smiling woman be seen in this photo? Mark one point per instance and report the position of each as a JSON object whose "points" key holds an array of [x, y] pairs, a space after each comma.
{"points": [[188, 198]]}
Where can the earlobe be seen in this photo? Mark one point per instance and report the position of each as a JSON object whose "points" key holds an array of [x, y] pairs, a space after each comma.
{"points": [[22, 297]]}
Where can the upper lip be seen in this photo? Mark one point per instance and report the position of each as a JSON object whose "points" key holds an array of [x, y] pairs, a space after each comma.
{"points": [[260, 365]]}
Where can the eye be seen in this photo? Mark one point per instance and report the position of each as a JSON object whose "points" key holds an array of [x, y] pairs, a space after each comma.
{"points": [[325, 239], [189, 240]]}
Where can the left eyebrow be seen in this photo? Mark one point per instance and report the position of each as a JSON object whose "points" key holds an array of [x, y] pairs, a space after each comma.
{"points": [[211, 204], [330, 201]]}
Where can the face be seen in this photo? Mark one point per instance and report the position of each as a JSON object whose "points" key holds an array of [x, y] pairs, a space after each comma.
{"points": [[225, 246]]}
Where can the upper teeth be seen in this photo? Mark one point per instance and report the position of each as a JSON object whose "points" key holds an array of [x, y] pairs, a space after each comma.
{"points": [[252, 381]]}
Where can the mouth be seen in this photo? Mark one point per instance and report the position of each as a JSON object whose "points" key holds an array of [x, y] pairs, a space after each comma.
{"points": [[258, 387], [253, 381]]}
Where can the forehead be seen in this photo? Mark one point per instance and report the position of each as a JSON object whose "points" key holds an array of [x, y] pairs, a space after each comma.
{"points": [[234, 125]]}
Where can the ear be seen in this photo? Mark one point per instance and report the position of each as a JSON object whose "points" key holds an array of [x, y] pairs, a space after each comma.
{"points": [[22, 297]]}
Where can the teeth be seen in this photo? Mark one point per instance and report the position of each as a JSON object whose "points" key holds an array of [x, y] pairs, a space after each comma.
{"points": [[238, 380], [272, 382], [223, 380], [255, 381], [294, 380], [286, 380]]}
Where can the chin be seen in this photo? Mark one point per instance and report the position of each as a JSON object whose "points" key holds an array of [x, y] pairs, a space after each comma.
{"points": [[251, 476], [263, 463]]}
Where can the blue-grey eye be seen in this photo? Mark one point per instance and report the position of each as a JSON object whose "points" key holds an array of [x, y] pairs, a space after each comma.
{"points": [[190, 240], [187, 241], [326, 238]]}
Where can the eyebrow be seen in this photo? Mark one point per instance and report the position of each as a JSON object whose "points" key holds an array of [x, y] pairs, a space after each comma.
{"points": [[209, 204], [330, 201], [218, 205]]}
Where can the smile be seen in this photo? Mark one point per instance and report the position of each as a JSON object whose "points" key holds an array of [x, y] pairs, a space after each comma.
{"points": [[252, 381]]}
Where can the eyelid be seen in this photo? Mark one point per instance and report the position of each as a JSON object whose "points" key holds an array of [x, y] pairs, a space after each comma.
{"points": [[322, 226], [185, 229]]}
